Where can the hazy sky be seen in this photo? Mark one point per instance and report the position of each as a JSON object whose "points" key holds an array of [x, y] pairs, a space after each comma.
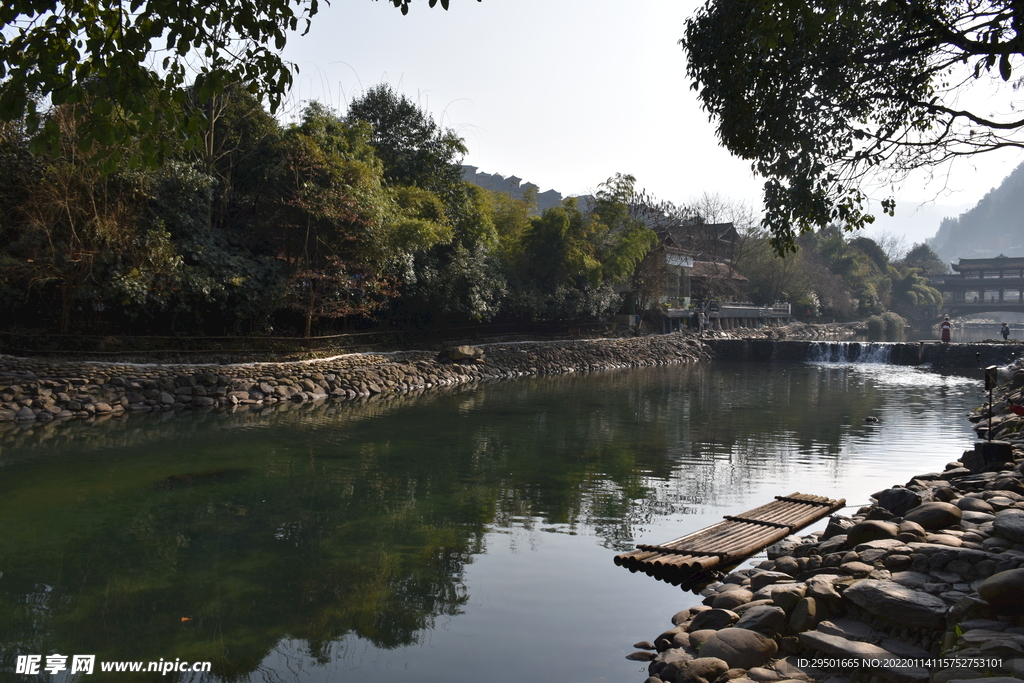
{"points": [[565, 93]]}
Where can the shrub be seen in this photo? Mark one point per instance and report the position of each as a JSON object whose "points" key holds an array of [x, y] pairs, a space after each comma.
{"points": [[894, 323]]}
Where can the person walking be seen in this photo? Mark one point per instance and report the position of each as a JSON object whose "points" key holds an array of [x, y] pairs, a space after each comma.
{"points": [[1005, 331], [946, 329]]}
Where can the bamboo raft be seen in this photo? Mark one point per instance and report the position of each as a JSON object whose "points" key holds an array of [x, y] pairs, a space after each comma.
{"points": [[689, 559]]}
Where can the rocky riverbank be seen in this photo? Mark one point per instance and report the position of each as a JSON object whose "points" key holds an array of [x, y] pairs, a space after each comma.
{"points": [[924, 585], [43, 390]]}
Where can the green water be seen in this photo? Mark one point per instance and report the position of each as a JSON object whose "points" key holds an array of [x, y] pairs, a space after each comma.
{"points": [[454, 536]]}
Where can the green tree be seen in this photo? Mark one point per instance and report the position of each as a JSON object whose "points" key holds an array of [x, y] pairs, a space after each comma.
{"points": [[222, 285], [822, 95], [622, 239], [414, 149], [570, 260], [339, 228], [458, 278], [71, 232], [132, 61], [912, 296], [924, 257], [463, 279], [558, 249]]}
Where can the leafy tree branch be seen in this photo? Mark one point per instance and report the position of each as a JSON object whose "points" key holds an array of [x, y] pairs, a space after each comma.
{"points": [[824, 97]]}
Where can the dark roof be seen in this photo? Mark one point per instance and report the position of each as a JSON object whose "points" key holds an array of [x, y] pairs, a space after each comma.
{"points": [[685, 232], [982, 263], [708, 269]]}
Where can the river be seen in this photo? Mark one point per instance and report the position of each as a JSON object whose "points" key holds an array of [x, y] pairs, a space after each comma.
{"points": [[458, 536]]}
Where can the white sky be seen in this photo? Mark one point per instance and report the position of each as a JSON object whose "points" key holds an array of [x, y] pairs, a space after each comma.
{"points": [[566, 93]]}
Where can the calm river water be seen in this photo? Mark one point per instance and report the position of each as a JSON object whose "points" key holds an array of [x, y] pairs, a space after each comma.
{"points": [[458, 536]]}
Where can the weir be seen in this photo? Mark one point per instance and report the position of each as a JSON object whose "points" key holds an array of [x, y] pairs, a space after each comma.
{"points": [[894, 353], [849, 352]]}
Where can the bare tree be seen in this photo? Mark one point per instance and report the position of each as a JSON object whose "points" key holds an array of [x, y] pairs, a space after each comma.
{"points": [[893, 245]]}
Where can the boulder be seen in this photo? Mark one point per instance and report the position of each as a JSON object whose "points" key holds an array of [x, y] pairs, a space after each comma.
{"points": [[742, 609], [870, 530], [849, 629], [1009, 524], [935, 516], [833, 545], [841, 648], [804, 616], [698, 638], [667, 665], [912, 528], [462, 353], [769, 591], [898, 500], [1004, 591], [740, 648], [890, 600], [766, 578], [641, 656], [974, 504], [788, 597], [767, 620], [681, 617], [977, 518], [787, 565], [707, 668], [858, 569], [837, 524], [731, 598], [714, 619], [681, 639]]}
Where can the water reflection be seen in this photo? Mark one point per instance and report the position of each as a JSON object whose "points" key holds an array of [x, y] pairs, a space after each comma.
{"points": [[259, 539]]}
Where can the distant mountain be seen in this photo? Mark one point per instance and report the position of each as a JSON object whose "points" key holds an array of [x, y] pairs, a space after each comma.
{"points": [[994, 226]]}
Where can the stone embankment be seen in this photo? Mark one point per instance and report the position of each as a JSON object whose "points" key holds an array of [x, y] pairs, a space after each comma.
{"points": [[33, 389], [794, 330], [926, 585]]}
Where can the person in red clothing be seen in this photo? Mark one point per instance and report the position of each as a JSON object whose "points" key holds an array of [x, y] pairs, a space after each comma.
{"points": [[946, 327]]}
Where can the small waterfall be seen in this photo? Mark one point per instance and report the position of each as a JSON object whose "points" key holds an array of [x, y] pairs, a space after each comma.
{"points": [[849, 352]]}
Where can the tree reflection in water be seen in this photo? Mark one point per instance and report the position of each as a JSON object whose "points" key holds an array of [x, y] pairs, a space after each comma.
{"points": [[225, 537]]}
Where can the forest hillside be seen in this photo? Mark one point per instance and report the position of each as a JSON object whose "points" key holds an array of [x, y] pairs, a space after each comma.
{"points": [[994, 226]]}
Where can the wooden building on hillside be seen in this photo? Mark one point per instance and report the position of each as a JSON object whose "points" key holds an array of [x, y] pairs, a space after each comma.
{"points": [[983, 284]]}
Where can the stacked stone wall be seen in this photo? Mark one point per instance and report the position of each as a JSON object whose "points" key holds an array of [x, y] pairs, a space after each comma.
{"points": [[34, 389]]}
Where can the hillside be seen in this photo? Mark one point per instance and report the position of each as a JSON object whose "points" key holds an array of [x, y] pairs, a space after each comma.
{"points": [[994, 226]]}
